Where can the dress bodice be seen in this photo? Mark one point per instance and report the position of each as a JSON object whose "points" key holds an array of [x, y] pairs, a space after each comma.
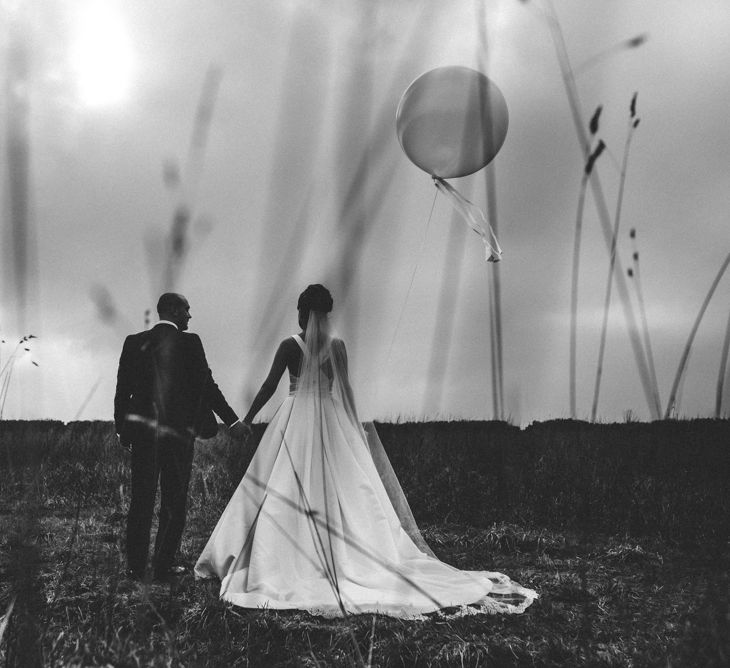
{"points": [[324, 383]]}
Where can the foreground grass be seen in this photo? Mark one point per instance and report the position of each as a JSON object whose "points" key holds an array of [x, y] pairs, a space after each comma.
{"points": [[607, 598], [603, 601]]}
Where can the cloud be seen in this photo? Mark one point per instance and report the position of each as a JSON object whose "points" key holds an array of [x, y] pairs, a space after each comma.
{"points": [[305, 113]]}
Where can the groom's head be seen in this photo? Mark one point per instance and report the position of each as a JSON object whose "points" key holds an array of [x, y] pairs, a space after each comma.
{"points": [[175, 308]]}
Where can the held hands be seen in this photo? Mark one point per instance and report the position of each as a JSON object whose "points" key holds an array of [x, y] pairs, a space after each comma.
{"points": [[124, 443], [241, 430]]}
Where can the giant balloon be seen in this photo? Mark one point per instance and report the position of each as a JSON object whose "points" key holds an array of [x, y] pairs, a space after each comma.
{"points": [[452, 121]]}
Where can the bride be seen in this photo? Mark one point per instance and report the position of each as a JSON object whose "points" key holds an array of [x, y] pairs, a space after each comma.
{"points": [[319, 521]]}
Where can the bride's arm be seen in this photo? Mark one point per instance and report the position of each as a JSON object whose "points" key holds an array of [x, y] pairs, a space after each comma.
{"points": [[269, 386]]}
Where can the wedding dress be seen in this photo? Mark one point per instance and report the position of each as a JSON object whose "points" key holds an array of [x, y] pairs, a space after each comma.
{"points": [[320, 523]]}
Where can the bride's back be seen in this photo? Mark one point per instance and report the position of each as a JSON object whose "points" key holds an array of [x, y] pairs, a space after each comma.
{"points": [[311, 364]]}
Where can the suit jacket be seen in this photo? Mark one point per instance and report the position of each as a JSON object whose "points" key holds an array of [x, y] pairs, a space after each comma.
{"points": [[164, 386]]}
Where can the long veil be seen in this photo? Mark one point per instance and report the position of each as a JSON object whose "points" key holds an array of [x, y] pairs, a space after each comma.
{"points": [[324, 369], [319, 521]]}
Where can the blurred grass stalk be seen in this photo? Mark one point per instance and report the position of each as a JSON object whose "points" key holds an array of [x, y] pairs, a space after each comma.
{"points": [[556, 33], [588, 168], [671, 402], [6, 370], [6, 618], [5, 375], [178, 243], [574, 292], [443, 335], [495, 286], [23, 534], [17, 153], [329, 566], [633, 123], [723, 378], [362, 140], [644, 320]]}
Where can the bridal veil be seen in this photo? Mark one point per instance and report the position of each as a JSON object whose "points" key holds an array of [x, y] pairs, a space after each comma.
{"points": [[319, 521]]}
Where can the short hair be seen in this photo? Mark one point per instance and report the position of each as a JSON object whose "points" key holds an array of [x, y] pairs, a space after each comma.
{"points": [[315, 298], [168, 302]]}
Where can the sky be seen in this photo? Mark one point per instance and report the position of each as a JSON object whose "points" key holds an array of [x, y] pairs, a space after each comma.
{"points": [[295, 176]]}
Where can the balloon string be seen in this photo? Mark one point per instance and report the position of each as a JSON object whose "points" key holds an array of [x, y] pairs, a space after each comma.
{"points": [[474, 217], [413, 277]]}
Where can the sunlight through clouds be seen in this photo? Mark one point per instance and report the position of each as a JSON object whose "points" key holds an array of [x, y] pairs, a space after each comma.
{"points": [[303, 137], [101, 54]]}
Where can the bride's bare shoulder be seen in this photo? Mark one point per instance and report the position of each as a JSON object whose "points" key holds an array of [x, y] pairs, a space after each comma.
{"points": [[289, 343], [338, 344], [287, 347]]}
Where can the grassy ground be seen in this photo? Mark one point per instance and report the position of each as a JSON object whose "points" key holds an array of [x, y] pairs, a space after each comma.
{"points": [[606, 599]]}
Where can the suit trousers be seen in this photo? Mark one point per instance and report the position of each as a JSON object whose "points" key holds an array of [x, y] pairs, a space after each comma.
{"points": [[169, 462]]}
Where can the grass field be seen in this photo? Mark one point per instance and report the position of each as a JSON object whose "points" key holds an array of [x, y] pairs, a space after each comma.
{"points": [[622, 529]]}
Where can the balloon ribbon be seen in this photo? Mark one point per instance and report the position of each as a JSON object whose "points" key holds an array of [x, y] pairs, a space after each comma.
{"points": [[474, 217]]}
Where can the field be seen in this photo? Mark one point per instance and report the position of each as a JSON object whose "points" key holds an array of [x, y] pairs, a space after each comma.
{"points": [[621, 528]]}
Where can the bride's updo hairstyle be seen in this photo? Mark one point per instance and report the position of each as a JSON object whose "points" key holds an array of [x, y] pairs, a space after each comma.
{"points": [[315, 298]]}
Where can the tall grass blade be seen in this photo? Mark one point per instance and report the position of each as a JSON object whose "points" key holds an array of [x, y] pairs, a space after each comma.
{"points": [[275, 262], [316, 521], [372, 642], [493, 351], [645, 328], [574, 292], [6, 618], [399, 319], [18, 74], [590, 163], [87, 399], [688, 346], [604, 217], [495, 285], [721, 376], [6, 372], [445, 324], [631, 43], [177, 243], [609, 281]]}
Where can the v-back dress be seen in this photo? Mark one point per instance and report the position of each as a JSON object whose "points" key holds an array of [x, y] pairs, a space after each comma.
{"points": [[311, 526]]}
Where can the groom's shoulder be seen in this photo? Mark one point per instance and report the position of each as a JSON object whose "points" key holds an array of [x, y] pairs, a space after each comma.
{"points": [[191, 339], [136, 338]]}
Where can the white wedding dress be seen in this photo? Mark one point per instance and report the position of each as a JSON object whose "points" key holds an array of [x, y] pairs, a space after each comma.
{"points": [[320, 523]]}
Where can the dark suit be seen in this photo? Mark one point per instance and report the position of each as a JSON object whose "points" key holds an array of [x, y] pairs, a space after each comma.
{"points": [[165, 397]]}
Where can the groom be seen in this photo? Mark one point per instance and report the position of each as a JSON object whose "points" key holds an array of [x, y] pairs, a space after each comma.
{"points": [[165, 397]]}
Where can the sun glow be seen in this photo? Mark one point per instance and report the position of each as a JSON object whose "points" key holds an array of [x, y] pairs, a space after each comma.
{"points": [[101, 54]]}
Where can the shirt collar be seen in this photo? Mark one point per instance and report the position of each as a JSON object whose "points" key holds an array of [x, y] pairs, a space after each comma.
{"points": [[166, 322]]}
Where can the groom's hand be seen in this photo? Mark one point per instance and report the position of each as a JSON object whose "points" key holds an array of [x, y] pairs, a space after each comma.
{"points": [[124, 443]]}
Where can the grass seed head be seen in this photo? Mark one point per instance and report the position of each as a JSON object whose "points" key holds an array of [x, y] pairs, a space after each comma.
{"points": [[593, 125], [637, 41], [594, 156]]}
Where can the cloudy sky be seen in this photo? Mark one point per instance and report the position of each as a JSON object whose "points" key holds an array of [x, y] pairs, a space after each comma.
{"points": [[293, 174]]}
